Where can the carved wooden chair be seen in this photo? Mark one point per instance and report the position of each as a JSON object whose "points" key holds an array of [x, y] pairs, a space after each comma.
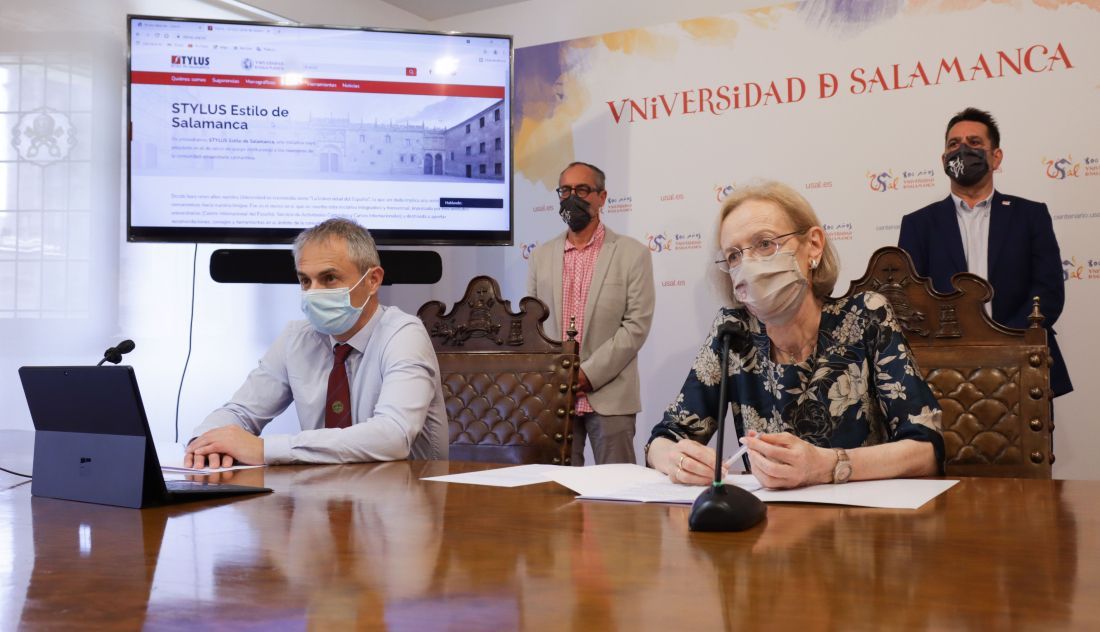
{"points": [[508, 387], [992, 381]]}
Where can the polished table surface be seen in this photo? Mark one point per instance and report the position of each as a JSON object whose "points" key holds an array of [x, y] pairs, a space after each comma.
{"points": [[374, 547]]}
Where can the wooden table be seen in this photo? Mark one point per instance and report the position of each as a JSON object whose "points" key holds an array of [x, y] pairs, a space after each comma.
{"points": [[373, 546]]}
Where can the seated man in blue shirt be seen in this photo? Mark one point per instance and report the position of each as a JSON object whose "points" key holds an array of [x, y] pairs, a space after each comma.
{"points": [[363, 377]]}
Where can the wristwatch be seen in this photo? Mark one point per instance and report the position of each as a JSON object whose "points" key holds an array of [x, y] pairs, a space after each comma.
{"points": [[842, 471]]}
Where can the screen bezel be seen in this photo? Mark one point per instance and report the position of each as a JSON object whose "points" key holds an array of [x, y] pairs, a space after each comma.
{"points": [[388, 237]]}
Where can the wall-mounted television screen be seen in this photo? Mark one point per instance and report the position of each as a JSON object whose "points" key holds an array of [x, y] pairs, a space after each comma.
{"points": [[249, 132]]}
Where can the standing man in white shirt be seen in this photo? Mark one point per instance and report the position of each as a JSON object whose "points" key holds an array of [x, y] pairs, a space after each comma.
{"points": [[1003, 238], [363, 377]]}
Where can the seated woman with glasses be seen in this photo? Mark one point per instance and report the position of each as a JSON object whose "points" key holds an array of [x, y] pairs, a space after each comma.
{"points": [[828, 391]]}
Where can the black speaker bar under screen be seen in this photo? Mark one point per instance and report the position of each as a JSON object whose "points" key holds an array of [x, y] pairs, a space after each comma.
{"points": [[403, 267]]}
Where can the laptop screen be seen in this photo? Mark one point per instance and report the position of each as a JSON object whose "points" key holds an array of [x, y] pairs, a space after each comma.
{"points": [[100, 400]]}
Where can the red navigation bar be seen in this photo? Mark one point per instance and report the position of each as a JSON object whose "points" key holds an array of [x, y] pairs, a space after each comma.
{"points": [[327, 85]]}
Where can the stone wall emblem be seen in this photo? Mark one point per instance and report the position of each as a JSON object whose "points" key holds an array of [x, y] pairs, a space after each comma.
{"points": [[43, 136]]}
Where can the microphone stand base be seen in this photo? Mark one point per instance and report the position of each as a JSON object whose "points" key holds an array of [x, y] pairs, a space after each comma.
{"points": [[724, 507]]}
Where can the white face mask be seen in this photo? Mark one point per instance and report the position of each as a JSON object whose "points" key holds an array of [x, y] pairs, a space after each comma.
{"points": [[772, 289], [330, 311]]}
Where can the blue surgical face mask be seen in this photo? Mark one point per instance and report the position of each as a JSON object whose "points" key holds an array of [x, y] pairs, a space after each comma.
{"points": [[330, 311]]}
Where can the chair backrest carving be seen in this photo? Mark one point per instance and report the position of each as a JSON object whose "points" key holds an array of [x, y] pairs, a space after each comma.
{"points": [[508, 387], [992, 381]]}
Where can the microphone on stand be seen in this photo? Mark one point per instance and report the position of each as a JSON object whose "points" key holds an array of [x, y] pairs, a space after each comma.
{"points": [[114, 354], [724, 507]]}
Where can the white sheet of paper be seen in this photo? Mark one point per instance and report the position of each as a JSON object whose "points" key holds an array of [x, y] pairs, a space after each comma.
{"points": [[171, 461], [503, 477], [665, 491], [168, 469], [747, 482], [639, 484], [897, 493], [598, 480], [635, 483]]}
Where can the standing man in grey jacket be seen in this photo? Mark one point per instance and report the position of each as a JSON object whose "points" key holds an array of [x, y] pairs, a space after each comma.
{"points": [[604, 281]]}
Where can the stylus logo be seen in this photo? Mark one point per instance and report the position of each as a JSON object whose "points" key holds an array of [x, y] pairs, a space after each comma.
{"points": [[189, 61], [85, 465]]}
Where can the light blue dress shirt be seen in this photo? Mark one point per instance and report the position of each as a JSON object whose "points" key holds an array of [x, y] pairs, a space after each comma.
{"points": [[974, 228], [396, 396]]}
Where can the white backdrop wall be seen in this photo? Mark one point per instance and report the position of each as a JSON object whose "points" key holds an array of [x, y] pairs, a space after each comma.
{"points": [[536, 22], [860, 95], [666, 176]]}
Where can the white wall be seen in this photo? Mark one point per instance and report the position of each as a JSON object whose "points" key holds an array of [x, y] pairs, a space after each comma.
{"points": [[542, 21], [530, 23], [343, 13], [133, 291]]}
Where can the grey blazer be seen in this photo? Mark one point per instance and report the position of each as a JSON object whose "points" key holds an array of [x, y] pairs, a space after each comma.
{"points": [[616, 318]]}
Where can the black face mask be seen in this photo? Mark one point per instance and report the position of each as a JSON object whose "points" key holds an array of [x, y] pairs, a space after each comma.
{"points": [[966, 165], [574, 212]]}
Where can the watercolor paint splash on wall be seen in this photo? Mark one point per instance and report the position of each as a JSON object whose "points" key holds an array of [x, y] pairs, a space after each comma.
{"points": [[551, 96]]}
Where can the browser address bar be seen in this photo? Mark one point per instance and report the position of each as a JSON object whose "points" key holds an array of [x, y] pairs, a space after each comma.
{"points": [[364, 69]]}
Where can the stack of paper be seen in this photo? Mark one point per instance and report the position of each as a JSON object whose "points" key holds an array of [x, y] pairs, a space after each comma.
{"points": [[634, 483]]}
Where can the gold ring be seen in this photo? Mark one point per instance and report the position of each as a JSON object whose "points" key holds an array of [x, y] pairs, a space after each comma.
{"points": [[680, 465]]}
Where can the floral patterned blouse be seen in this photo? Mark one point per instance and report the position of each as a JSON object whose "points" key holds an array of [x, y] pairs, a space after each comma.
{"points": [[860, 386]]}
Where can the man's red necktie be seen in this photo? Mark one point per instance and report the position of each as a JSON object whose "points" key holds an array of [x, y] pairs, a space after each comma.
{"points": [[338, 402]]}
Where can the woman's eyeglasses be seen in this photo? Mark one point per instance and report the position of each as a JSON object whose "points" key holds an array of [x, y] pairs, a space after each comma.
{"points": [[764, 248]]}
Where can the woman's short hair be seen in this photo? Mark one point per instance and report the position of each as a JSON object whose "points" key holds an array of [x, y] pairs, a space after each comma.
{"points": [[801, 216], [361, 248]]}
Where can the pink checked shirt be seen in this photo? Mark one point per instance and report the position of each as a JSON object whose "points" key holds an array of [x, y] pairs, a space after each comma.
{"points": [[576, 278]]}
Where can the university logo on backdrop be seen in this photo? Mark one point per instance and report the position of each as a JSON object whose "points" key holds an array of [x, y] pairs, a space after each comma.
{"points": [[620, 204], [1074, 269], [843, 231], [918, 178], [1065, 167], [883, 181], [666, 242], [723, 191], [526, 248]]}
